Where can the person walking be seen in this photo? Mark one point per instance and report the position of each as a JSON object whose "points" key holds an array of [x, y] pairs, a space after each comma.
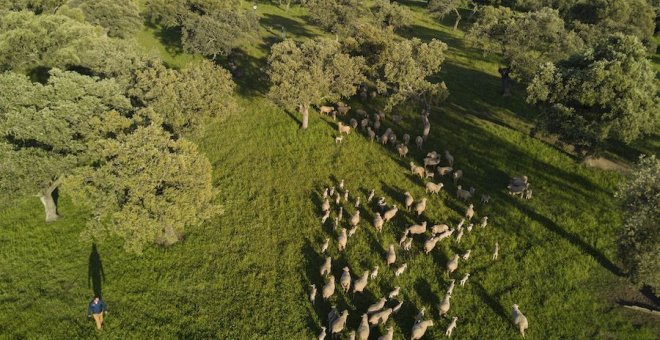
{"points": [[97, 309]]}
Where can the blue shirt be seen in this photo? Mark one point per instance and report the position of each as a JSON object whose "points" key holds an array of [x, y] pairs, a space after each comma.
{"points": [[96, 308]]}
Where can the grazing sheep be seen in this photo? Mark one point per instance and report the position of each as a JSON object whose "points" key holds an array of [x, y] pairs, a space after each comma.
{"points": [[403, 150], [343, 128], [469, 227], [325, 206], [389, 335], [343, 109], [341, 184], [384, 138], [451, 327], [444, 170], [485, 199], [408, 244], [364, 123], [430, 175], [420, 315], [329, 288], [390, 214], [340, 215], [459, 236], [450, 290], [444, 305], [449, 158], [394, 293], [327, 266], [484, 221], [408, 200], [322, 334], [374, 273], [416, 229], [346, 195], [439, 228], [380, 317], [496, 251], [403, 238], [353, 123], [325, 217], [419, 329], [371, 195], [326, 109], [339, 323], [371, 134], [336, 224], [469, 212], [377, 125], [325, 244], [393, 139], [463, 194], [519, 320], [460, 224], [325, 192], [400, 270], [391, 255], [363, 329], [431, 162], [397, 308], [361, 112], [378, 222], [355, 219], [381, 203], [337, 198], [338, 139], [417, 170], [376, 307], [433, 188], [419, 141], [341, 240], [357, 202], [445, 234], [351, 335], [312, 294], [345, 280], [458, 174], [352, 231], [433, 154], [452, 265], [430, 244], [406, 138], [421, 206], [464, 279], [332, 191], [527, 194], [360, 283], [466, 256]]}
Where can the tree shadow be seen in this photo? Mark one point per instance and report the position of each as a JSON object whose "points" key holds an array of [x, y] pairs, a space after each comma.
{"points": [[95, 273], [294, 27], [491, 301]]}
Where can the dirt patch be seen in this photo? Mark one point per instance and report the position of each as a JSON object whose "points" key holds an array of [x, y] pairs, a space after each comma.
{"points": [[605, 164]]}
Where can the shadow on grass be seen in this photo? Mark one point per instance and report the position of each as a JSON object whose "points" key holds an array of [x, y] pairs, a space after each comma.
{"points": [[276, 22], [491, 301], [95, 273]]}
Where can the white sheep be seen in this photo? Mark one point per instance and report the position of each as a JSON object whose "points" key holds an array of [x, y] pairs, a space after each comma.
{"points": [[459, 236], [325, 206], [361, 112], [430, 244], [376, 307], [403, 238], [322, 334], [519, 319], [417, 170], [452, 283], [406, 138], [419, 329], [357, 202], [420, 315], [354, 123], [371, 134], [341, 240], [403, 150], [463, 194], [408, 244], [343, 109], [452, 265], [460, 224], [312, 294], [345, 280], [381, 203], [364, 123], [325, 217], [496, 251], [400, 270], [430, 161], [355, 219], [419, 141], [389, 335], [416, 229], [390, 214], [527, 194], [420, 206], [464, 279], [339, 323], [363, 329], [458, 174], [434, 188], [397, 308], [485, 198], [380, 317], [371, 195], [326, 109], [449, 158], [337, 198], [351, 335], [444, 170], [429, 175], [325, 192], [352, 231], [439, 228], [338, 139], [466, 256], [444, 306], [346, 195], [327, 266], [469, 227], [374, 273], [329, 288], [484, 221], [343, 128], [451, 327], [378, 222], [377, 125], [408, 200], [391, 255], [360, 283], [394, 293], [469, 212], [445, 234]]}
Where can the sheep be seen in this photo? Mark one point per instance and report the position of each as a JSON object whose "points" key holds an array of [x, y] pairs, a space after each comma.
{"points": [[430, 244], [376, 307], [408, 200], [452, 265], [337, 198], [527, 194], [403, 238], [397, 308], [464, 279], [353, 123], [390, 214], [403, 150], [444, 170], [469, 212], [519, 319], [460, 224], [325, 217], [459, 237], [391, 255], [312, 294], [389, 335], [325, 206], [338, 139], [421, 206], [329, 288], [444, 235], [377, 125], [374, 273], [327, 266], [416, 229], [381, 203], [463, 194], [384, 139], [371, 195], [419, 141], [466, 256], [458, 174], [434, 188], [406, 138], [336, 224], [346, 195], [496, 251], [340, 215], [361, 112], [400, 270], [345, 280], [360, 283], [393, 139], [351, 335], [363, 329], [371, 134], [352, 231], [357, 202], [343, 128], [339, 323], [452, 283], [420, 315], [484, 221], [439, 228], [485, 199], [343, 109], [394, 293], [417, 170], [326, 109], [451, 327], [324, 246], [341, 240], [430, 175], [364, 123], [431, 162], [332, 191], [355, 219], [419, 329], [325, 192], [380, 317], [444, 306], [449, 158], [322, 334], [407, 245], [378, 222], [469, 227]]}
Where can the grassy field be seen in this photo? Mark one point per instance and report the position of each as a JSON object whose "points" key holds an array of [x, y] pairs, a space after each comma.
{"points": [[246, 274]]}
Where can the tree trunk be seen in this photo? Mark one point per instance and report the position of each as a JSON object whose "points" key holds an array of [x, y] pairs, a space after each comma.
{"points": [[304, 111], [458, 19], [474, 11], [46, 197]]}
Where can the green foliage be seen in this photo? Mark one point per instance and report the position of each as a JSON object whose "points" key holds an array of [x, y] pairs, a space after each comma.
{"points": [[180, 100], [36, 6], [392, 14], [606, 92], [121, 18], [144, 187], [639, 242], [336, 16]]}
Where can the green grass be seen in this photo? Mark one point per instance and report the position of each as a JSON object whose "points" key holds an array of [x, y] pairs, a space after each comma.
{"points": [[246, 273]]}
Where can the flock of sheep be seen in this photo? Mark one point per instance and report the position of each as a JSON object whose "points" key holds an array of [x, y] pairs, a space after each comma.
{"points": [[379, 313]]}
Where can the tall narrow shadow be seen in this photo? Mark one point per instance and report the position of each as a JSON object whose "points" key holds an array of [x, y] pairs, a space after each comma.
{"points": [[95, 274]]}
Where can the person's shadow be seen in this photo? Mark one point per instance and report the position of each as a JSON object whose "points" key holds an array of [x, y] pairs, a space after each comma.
{"points": [[95, 274]]}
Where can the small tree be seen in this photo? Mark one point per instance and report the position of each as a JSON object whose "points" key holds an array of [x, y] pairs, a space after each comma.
{"points": [[609, 91], [391, 14], [121, 18], [311, 73], [337, 16], [639, 242], [443, 7]]}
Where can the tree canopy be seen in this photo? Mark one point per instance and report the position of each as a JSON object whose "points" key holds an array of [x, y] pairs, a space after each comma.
{"points": [[121, 18]]}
